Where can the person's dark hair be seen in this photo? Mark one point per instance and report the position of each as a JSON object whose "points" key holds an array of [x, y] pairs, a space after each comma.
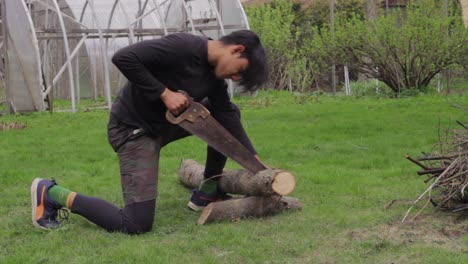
{"points": [[257, 72]]}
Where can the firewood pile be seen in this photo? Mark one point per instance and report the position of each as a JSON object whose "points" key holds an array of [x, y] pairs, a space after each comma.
{"points": [[447, 173], [258, 195]]}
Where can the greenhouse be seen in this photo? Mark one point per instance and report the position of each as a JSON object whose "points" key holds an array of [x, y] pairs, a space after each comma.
{"points": [[62, 48]]}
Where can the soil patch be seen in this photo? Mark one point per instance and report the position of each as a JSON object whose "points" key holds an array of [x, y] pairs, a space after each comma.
{"points": [[442, 230]]}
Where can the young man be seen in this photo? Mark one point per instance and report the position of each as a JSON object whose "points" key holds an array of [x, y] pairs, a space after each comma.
{"points": [[138, 129]]}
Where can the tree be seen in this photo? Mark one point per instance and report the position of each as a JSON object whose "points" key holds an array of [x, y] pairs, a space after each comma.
{"points": [[274, 24], [405, 50]]}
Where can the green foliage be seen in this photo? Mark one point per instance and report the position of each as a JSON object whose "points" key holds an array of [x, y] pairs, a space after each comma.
{"points": [[317, 14], [370, 88], [404, 49], [347, 155], [286, 30], [3, 106], [274, 23]]}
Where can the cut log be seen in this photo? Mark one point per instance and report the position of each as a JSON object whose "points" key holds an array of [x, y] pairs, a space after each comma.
{"points": [[265, 183], [253, 206]]}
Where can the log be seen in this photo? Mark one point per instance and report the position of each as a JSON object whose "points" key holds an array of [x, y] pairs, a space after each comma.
{"points": [[265, 183], [253, 206]]}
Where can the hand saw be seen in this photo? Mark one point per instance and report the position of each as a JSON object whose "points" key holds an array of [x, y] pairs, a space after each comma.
{"points": [[197, 120]]}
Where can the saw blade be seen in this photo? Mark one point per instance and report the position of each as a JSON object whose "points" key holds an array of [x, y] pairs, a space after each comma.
{"points": [[213, 133], [197, 120]]}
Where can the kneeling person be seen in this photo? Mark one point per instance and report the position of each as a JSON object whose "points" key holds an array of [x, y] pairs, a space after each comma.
{"points": [[138, 129]]}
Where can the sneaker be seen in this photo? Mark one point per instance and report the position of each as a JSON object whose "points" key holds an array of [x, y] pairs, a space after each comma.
{"points": [[200, 200], [44, 209]]}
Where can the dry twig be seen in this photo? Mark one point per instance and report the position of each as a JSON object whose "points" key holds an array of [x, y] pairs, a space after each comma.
{"points": [[448, 172]]}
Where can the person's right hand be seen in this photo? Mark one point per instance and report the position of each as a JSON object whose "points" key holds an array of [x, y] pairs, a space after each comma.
{"points": [[174, 101]]}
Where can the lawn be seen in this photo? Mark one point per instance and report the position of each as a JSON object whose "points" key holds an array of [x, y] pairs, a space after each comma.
{"points": [[347, 155]]}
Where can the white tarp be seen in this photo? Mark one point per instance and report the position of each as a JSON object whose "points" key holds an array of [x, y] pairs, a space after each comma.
{"points": [[24, 81], [108, 25]]}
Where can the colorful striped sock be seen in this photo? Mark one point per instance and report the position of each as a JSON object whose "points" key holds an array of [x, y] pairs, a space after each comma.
{"points": [[62, 196], [209, 186]]}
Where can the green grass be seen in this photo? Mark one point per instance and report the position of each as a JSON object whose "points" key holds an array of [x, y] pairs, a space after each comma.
{"points": [[347, 155]]}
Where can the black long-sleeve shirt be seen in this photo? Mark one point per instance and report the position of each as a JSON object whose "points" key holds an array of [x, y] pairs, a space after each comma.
{"points": [[177, 62]]}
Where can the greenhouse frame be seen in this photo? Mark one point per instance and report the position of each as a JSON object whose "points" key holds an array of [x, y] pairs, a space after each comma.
{"points": [[62, 48]]}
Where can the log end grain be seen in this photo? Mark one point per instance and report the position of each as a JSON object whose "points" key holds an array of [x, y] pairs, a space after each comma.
{"points": [[205, 214], [284, 183]]}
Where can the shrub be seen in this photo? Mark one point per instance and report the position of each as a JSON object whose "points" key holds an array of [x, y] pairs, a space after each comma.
{"points": [[405, 50], [370, 88]]}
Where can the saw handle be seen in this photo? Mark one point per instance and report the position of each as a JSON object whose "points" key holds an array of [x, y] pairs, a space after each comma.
{"points": [[186, 95], [191, 113]]}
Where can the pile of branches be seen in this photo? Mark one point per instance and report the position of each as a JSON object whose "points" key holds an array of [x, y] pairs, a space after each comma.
{"points": [[447, 173], [11, 126]]}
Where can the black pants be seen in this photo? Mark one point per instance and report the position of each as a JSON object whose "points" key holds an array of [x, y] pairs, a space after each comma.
{"points": [[139, 161]]}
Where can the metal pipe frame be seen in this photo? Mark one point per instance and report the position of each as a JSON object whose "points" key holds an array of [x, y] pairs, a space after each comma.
{"points": [[67, 52], [189, 16], [243, 15], [83, 11], [131, 34], [91, 67], [150, 8], [48, 7], [111, 16], [77, 77], [45, 60], [141, 10], [113, 33], [160, 16], [64, 66], [138, 19], [218, 17], [153, 17], [104, 56]]}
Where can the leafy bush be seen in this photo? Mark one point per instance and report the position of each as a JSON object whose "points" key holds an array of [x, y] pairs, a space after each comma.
{"points": [[404, 49], [370, 88], [274, 24], [286, 29]]}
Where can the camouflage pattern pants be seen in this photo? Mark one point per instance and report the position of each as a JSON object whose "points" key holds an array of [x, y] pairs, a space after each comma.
{"points": [[139, 158]]}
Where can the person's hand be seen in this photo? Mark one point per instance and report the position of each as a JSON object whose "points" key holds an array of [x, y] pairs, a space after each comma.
{"points": [[174, 101]]}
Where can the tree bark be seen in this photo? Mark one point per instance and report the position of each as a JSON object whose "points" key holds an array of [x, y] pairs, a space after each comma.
{"points": [[264, 183], [253, 206]]}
